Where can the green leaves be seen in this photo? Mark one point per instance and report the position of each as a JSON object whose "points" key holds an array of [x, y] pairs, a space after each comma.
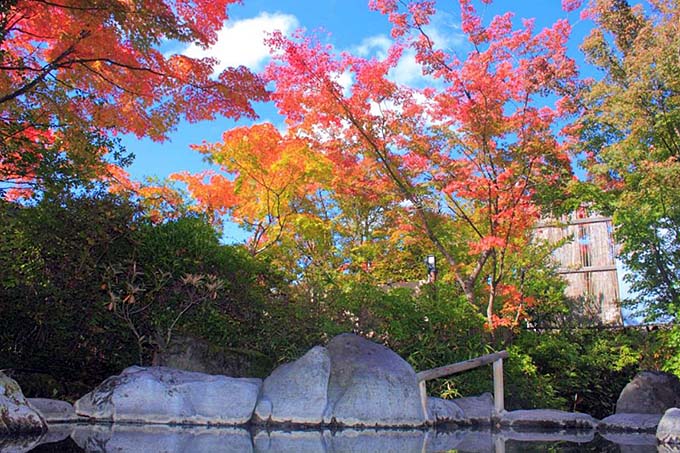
{"points": [[629, 129]]}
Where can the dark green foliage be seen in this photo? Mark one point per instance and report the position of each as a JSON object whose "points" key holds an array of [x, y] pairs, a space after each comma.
{"points": [[588, 368], [52, 321], [59, 335]]}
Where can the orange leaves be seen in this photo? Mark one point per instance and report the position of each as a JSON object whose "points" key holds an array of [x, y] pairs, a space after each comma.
{"points": [[95, 67], [213, 192], [264, 176]]}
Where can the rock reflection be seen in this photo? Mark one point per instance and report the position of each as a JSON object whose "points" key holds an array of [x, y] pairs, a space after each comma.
{"points": [[155, 438], [122, 438]]}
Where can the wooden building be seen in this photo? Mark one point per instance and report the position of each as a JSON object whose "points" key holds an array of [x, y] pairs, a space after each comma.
{"points": [[587, 261]]}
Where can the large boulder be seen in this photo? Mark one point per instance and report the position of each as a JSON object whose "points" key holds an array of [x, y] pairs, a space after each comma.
{"points": [[16, 415], [55, 411], [477, 410], [168, 396], [650, 392], [370, 385], [296, 392], [668, 431]]}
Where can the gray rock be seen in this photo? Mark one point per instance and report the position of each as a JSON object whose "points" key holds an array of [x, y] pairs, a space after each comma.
{"points": [[668, 431], [168, 396], [547, 419], [440, 411], [370, 385], [16, 415], [477, 410], [55, 411], [650, 392], [296, 392], [630, 423]]}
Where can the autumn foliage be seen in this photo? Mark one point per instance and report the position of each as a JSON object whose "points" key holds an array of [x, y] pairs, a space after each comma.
{"points": [[460, 161], [76, 73], [262, 176]]}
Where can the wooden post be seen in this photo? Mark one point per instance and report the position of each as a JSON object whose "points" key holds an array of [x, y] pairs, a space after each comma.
{"points": [[498, 397], [423, 397]]}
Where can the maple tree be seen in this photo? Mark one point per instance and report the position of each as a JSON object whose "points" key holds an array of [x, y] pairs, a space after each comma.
{"points": [[76, 73], [461, 162], [464, 156], [263, 174], [629, 130]]}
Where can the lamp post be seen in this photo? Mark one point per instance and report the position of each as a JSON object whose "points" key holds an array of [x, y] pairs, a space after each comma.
{"points": [[431, 263]]}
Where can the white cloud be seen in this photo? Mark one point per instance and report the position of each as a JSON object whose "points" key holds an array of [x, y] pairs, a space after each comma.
{"points": [[345, 80], [407, 71], [241, 42], [376, 45]]}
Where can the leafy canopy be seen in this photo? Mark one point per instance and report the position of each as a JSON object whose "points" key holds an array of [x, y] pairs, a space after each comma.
{"points": [[76, 73]]}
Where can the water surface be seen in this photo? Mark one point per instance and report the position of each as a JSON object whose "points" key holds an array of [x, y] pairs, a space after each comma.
{"points": [[121, 438]]}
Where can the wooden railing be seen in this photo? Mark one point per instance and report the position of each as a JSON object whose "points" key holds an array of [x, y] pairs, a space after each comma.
{"points": [[447, 370]]}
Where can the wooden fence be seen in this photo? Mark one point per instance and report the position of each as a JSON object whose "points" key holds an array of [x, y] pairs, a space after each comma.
{"points": [[447, 370]]}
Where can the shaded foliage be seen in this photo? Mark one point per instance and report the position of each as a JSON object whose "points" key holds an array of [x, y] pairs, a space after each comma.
{"points": [[54, 296]]}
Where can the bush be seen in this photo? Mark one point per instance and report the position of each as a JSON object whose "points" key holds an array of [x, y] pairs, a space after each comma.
{"points": [[53, 324], [69, 265], [588, 368]]}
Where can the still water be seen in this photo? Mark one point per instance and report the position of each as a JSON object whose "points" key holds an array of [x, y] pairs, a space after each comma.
{"points": [[177, 439]]}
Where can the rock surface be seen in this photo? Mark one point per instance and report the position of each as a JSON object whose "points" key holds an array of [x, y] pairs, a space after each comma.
{"points": [[440, 411], [55, 411], [630, 423], [477, 410], [370, 385], [16, 415], [650, 392], [168, 396], [668, 431], [547, 419], [296, 392]]}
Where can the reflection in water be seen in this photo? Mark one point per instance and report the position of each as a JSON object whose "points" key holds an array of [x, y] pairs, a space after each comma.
{"points": [[178, 439]]}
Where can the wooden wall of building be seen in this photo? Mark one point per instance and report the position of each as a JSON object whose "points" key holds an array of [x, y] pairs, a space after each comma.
{"points": [[587, 262]]}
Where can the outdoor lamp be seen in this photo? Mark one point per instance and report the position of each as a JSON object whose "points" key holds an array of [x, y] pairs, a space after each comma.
{"points": [[431, 262]]}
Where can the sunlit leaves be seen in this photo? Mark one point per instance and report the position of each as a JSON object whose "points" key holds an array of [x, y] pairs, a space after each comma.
{"points": [[85, 71], [466, 154], [263, 176]]}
